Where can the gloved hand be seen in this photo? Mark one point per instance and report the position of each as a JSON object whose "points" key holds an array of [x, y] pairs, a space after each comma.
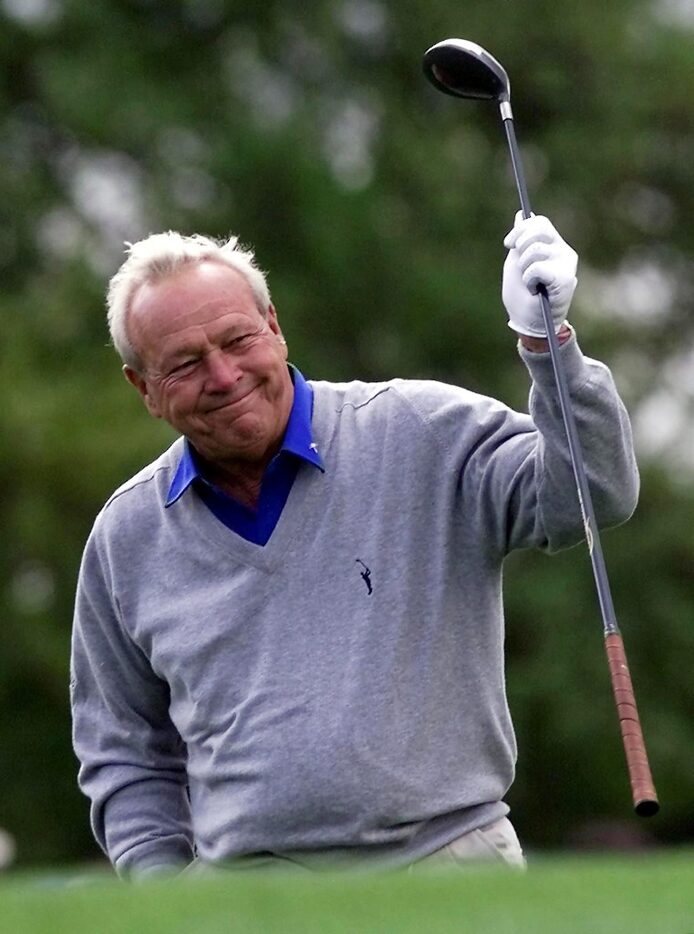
{"points": [[537, 255]]}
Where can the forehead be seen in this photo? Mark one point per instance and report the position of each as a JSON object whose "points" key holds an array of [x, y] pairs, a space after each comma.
{"points": [[193, 297]]}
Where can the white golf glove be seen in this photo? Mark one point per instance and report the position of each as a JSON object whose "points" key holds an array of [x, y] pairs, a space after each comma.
{"points": [[537, 256]]}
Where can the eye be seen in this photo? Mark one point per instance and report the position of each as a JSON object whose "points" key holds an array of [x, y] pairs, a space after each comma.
{"points": [[243, 340], [186, 366]]}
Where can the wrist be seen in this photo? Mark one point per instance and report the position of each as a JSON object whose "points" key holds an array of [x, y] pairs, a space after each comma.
{"points": [[541, 344]]}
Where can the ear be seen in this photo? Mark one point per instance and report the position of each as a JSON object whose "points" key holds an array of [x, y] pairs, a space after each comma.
{"points": [[140, 383], [274, 326]]}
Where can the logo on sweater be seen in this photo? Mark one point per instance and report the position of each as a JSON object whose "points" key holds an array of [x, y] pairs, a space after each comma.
{"points": [[365, 575]]}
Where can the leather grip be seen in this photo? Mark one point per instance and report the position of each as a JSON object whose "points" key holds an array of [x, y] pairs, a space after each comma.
{"points": [[642, 788]]}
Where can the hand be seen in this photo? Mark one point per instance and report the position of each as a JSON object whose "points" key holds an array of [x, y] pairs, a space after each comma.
{"points": [[537, 256]]}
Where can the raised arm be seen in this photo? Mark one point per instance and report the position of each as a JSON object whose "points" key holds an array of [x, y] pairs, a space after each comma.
{"points": [[535, 477]]}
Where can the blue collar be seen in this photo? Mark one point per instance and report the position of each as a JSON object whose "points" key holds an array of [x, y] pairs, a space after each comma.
{"points": [[298, 440]]}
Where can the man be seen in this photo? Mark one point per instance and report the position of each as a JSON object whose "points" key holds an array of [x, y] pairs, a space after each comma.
{"points": [[288, 639]]}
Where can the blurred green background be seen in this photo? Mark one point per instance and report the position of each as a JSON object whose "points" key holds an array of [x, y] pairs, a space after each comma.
{"points": [[378, 207]]}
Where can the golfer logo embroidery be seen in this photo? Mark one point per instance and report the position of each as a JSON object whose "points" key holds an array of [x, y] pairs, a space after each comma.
{"points": [[365, 576]]}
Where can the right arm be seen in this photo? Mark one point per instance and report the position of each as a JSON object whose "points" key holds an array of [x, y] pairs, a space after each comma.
{"points": [[133, 764]]}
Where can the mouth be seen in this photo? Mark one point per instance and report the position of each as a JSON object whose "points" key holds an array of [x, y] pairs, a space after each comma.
{"points": [[232, 403]]}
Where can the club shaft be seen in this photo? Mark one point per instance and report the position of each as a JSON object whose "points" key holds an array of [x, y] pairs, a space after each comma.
{"points": [[597, 559], [643, 790], [602, 584], [516, 162]]}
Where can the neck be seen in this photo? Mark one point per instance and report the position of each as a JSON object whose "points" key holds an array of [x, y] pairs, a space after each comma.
{"points": [[244, 488], [241, 481]]}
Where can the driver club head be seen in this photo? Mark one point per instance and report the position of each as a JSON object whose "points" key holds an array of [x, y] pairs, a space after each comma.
{"points": [[465, 69]]}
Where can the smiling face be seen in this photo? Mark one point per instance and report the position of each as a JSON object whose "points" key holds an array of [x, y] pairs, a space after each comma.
{"points": [[212, 366]]}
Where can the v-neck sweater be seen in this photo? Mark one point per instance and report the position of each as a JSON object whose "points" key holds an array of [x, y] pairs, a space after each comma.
{"points": [[337, 694]]}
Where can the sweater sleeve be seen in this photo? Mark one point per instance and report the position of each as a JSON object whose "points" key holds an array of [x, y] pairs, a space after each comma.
{"points": [[132, 760], [519, 474], [605, 435]]}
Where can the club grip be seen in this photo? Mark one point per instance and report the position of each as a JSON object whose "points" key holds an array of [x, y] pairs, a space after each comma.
{"points": [[642, 788]]}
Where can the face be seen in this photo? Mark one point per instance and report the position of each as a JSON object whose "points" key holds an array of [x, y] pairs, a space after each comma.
{"points": [[213, 367]]}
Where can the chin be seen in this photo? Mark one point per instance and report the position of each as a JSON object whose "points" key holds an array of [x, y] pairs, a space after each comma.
{"points": [[252, 448]]}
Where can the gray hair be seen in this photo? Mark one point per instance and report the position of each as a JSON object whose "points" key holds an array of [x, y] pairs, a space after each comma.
{"points": [[160, 255]]}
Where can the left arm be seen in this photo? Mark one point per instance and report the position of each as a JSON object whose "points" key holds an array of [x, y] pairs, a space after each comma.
{"points": [[519, 481], [539, 256], [606, 439]]}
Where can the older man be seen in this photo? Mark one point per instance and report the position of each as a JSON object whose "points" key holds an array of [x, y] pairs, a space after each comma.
{"points": [[288, 639]]}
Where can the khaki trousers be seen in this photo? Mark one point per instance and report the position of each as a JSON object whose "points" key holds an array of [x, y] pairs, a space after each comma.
{"points": [[495, 843]]}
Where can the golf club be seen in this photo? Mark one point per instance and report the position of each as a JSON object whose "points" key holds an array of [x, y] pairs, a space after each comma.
{"points": [[464, 69]]}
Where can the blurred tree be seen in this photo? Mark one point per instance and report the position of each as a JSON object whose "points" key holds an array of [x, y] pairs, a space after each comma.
{"points": [[378, 207]]}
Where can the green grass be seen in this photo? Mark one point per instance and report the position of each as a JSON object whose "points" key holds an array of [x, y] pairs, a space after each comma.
{"points": [[649, 894]]}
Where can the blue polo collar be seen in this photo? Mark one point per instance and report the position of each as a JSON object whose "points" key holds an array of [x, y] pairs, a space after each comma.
{"points": [[298, 440]]}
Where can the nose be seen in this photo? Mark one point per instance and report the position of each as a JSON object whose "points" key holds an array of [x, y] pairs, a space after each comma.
{"points": [[221, 372]]}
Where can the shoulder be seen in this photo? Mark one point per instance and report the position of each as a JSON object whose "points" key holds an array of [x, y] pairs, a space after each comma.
{"points": [[404, 414], [144, 492], [425, 400], [423, 394]]}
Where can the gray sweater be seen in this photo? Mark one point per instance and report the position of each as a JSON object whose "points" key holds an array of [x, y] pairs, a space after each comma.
{"points": [[337, 694]]}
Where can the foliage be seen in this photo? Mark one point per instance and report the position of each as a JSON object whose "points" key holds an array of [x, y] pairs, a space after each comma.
{"points": [[378, 207]]}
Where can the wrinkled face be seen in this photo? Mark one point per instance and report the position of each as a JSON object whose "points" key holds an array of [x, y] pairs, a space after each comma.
{"points": [[213, 367]]}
